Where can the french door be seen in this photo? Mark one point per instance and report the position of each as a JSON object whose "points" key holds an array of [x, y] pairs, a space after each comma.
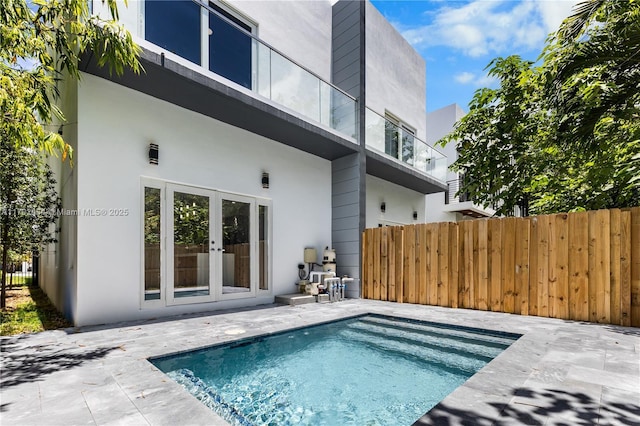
{"points": [[211, 245]]}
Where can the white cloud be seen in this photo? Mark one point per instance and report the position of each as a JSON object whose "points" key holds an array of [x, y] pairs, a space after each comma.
{"points": [[469, 78], [491, 27], [464, 77], [553, 12]]}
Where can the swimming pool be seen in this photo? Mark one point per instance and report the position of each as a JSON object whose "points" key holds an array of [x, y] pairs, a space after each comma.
{"points": [[369, 370]]}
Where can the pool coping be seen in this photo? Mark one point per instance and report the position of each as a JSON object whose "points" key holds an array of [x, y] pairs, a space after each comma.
{"points": [[557, 371]]}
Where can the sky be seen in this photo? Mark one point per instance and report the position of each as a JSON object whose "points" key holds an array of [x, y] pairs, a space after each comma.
{"points": [[458, 38]]}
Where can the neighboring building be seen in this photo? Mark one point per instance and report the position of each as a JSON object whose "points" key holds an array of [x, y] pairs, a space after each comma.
{"points": [[276, 126], [449, 206]]}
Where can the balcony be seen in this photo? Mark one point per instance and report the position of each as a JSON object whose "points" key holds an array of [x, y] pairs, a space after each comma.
{"points": [[394, 153], [457, 202], [239, 79]]}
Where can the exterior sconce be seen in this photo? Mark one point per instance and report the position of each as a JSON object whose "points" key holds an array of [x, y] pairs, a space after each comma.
{"points": [[265, 180], [153, 153], [415, 215], [383, 207]]}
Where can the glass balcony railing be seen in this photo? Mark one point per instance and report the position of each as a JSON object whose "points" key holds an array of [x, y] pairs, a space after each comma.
{"points": [[214, 39], [400, 144]]}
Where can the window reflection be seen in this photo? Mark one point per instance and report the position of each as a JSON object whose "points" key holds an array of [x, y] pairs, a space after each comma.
{"points": [[263, 246], [190, 245], [151, 244], [175, 26], [229, 48], [236, 259]]}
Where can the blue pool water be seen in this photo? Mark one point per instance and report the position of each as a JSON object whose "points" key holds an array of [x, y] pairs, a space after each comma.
{"points": [[371, 370]]}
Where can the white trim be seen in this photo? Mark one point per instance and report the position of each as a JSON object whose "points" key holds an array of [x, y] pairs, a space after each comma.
{"points": [[269, 241], [204, 37], [155, 184], [236, 14], [402, 126], [253, 281], [213, 263]]}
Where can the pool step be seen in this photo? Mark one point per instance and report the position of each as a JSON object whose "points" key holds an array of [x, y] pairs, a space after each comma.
{"points": [[453, 346], [209, 397], [482, 337], [454, 363]]}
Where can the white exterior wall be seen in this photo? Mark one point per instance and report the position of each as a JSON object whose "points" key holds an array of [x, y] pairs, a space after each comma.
{"points": [[400, 204], [57, 269], [300, 30], [116, 125], [434, 210], [439, 124], [395, 73]]}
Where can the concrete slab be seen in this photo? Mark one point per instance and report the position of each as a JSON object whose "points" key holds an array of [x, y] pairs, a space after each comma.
{"points": [[558, 372], [295, 299]]}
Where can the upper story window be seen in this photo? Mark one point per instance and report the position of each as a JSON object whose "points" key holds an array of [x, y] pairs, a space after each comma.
{"points": [[176, 25], [399, 139], [230, 46]]}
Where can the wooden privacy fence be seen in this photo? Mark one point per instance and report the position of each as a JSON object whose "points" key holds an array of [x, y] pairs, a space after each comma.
{"points": [[577, 266]]}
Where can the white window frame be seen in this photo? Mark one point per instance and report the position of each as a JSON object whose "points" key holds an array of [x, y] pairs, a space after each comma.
{"points": [[266, 203], [215, 213], [253, 226], [155, 184], [213, 262]]}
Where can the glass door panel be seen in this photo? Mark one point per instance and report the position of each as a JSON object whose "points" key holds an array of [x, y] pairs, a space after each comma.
{"points": [[263, 247], [191, 252], [152, 246], [237, 258]]}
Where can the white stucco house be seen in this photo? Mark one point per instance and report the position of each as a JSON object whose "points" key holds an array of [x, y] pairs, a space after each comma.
{"points": [[449, 205], [258, 129]]}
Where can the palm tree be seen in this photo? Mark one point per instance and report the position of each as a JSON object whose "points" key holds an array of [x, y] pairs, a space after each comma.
{"points": [[593, 64]]}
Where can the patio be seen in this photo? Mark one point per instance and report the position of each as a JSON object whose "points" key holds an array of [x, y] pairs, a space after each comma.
{"points": [[557, 372]]}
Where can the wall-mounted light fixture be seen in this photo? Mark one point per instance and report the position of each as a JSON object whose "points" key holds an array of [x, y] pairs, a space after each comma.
{"points": [[153, 153], [265, 180], [415, 215], [383, 207]]}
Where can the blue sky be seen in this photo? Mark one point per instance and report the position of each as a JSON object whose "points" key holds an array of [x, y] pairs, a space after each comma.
{"points": [[458, 38]]}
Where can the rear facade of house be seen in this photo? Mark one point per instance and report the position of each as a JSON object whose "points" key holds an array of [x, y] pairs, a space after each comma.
{"points": [[257, 129]]}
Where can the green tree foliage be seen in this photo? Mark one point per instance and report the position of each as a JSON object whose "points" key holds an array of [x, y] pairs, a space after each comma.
{"points": [[42, 41], [52, 37], [564, 135], [593, 68], [28, 204]]}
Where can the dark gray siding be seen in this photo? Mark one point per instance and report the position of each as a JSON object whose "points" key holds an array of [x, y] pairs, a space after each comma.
{"points": [[346, 40], [348, 174], [346, 206]]}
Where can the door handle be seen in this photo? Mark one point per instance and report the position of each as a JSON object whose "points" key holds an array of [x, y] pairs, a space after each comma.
{"points": [[221, 249]]}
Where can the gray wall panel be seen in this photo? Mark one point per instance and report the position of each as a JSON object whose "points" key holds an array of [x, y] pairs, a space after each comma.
{"points": [[343, 199], [347, 173], [346, 186], [350, 210]]}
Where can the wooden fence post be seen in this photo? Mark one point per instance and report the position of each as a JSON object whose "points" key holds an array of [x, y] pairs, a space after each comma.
{"points": [[483, 296], [579, 266], [495, 264], [522, 267]]}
